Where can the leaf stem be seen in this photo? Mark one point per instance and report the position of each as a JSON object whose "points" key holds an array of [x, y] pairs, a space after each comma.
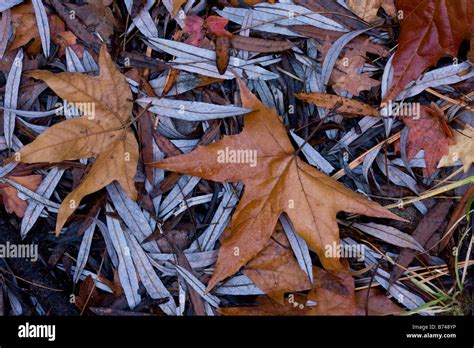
{"points": [[402, 203]]}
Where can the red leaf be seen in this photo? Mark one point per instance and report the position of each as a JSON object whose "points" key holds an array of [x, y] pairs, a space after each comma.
{"points": [[430, 29], [193, 26], [426, 133], [215, 26]]}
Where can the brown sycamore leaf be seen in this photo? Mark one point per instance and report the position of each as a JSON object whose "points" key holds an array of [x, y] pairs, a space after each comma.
{"points": [[97, 16], [275, 270], [462, 150], [276, 181], [354, 82], [88, 295], [341, 104], [426, 133], [9, 194], [367, 9], [376, 304], [335, 11], [265, 306], [333, 292], [423, 233], [26, 31], [102, 134], [347, 74], [430, 29]]}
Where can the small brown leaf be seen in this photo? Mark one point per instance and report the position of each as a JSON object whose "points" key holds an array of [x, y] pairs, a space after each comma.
{"points": [[9, 194], [340, 104], [253, 44], [367, 9], [222, 53]]}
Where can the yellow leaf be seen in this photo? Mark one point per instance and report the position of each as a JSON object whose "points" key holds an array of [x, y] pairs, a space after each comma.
{"points": [[176, 6], [463, 149], [367, 9]]}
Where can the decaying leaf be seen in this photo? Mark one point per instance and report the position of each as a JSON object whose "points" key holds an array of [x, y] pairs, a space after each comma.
{"points": [[462, 150], [333, 292], [335, 11], [26, 31], [328, 36], [276, 181], [97, 16], [422, 234], [194, 28], [101, 133], [215, 26], [265, 306], [340, 104], [367, 9], [376, 303], [426, 133], [222, 53], [254, 44], [9, 194], [430, 29], [275, 269], [348, 75]]}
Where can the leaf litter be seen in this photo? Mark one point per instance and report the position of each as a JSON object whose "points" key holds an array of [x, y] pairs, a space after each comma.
{"points": [[181, 157]]}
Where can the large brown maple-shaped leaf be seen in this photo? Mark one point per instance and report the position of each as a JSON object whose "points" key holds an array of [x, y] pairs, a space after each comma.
{"points": [[430, 29], [278, 181], [102, 134]]}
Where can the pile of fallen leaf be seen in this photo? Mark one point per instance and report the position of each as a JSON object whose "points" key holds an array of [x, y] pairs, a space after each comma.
{"points": [[251, 158]]}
